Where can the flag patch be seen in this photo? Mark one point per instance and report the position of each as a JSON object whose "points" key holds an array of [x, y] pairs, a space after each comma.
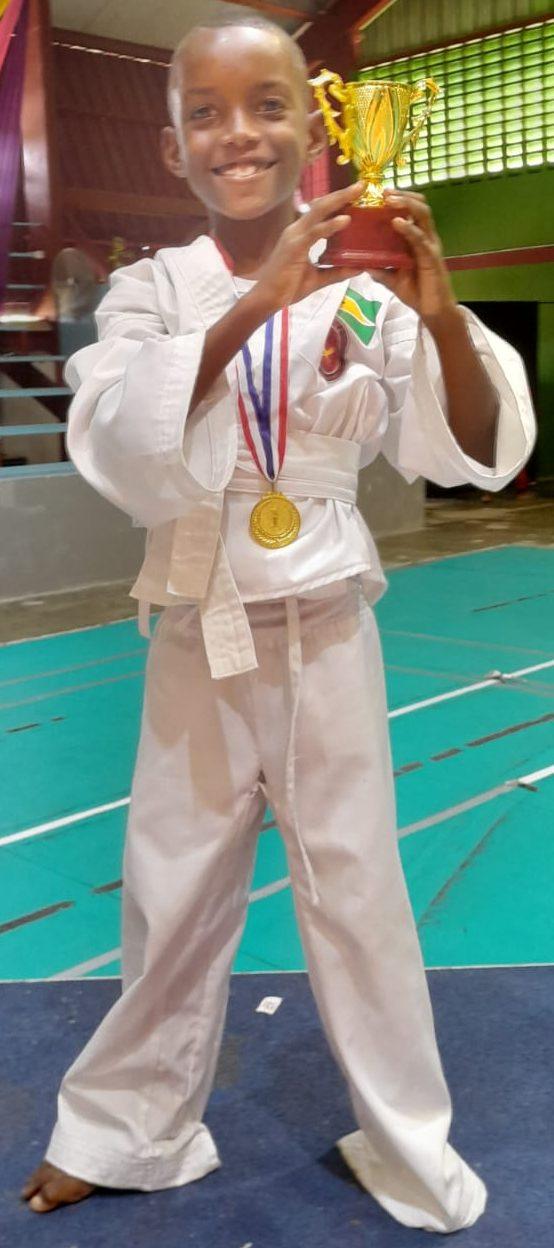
{"points": [[359, 314]]}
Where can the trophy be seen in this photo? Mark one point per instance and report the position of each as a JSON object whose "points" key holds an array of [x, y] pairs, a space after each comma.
{"points": [[374, 119]]}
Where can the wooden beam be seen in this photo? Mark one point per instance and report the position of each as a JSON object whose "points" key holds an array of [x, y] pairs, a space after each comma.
{"points": [[502, 259], [280, 10], [41, 178], [87, 199], [372, 11], [120, 47], [333, 36]]}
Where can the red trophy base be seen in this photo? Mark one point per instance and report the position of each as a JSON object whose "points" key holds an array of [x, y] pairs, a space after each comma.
{"points": [[370, 241]]}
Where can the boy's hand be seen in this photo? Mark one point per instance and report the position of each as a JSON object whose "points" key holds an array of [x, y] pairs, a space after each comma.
{"points": [[289, 274], [427, 287]]}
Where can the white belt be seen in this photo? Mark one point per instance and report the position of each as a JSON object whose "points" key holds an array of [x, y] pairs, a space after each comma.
{"points": [[316, 466], [345, 492]]}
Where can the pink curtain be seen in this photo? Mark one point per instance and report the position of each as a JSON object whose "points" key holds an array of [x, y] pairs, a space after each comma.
{"points": [[316, 179], [12, 72], [8, 23]]}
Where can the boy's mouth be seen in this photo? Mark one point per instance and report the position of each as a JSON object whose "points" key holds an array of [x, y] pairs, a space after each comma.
{"points": [[243, 170]]}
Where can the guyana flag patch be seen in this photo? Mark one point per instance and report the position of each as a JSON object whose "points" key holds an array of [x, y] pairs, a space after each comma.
{"points": [[359, 314]]}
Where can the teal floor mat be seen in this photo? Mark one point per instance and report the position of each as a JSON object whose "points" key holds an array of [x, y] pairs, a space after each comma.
{"points": [[69, 721]]}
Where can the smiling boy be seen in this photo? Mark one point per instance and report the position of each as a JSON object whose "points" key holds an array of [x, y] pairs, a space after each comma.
{"points": [[235, 391]]}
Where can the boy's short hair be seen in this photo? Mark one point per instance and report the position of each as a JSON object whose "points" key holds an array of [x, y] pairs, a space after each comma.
{"points": [[255, 23]]}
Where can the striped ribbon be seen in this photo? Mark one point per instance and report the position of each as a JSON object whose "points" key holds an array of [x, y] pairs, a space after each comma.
{"points": [[263, 407], [264, 416]]}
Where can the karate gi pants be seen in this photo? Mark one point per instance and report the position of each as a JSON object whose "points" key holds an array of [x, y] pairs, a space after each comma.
{"points": [[131, 1106]]}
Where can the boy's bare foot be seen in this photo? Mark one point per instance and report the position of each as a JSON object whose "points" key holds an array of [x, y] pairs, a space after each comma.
{"points": [[49, 1187]]}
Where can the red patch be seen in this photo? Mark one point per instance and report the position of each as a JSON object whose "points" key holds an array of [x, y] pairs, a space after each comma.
{"points": [[333, 360]]}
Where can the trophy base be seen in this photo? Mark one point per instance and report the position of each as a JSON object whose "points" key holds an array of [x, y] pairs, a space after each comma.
{"points": [[369, 241]]}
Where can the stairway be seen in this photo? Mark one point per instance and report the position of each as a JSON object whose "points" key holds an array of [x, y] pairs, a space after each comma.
{"points": [[31, 366]]}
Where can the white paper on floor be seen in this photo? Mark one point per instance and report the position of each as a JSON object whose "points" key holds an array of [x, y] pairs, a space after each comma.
{"points": [[269, 1005]]}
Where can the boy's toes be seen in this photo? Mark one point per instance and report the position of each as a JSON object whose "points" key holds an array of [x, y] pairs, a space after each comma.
{"points": [[29, 1189], [35, 1181], [41, 1203], [59, 1192], [50, 1187]]}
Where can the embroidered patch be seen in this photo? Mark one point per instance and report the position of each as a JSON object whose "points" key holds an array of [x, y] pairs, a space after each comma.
{"points": [[333, 360], [359, 314]]}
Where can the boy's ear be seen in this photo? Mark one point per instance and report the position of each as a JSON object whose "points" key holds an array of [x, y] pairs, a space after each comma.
{"points": [[317, 136], [171, 152]]}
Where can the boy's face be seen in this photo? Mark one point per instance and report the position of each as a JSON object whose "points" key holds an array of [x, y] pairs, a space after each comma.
{"points": [[245, 132]]}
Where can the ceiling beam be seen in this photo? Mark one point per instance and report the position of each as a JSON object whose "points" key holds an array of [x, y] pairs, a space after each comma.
{"points": [[271, 6], [337, 32], [120, 47]]}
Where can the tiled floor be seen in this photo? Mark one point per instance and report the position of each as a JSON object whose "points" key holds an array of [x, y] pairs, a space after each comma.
{"points": [[467, 643], [454, 525]]}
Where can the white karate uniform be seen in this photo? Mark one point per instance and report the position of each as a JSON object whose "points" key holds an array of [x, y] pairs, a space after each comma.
{"points": [[265, 681]]}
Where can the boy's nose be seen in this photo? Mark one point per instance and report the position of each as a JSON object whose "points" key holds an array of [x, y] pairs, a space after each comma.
{"points": [[241, 128]]}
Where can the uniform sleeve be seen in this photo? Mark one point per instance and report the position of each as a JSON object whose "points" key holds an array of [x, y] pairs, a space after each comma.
{"points": [[129, 433], [418, 440]]}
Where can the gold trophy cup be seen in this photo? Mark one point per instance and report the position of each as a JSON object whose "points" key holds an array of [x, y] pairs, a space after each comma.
{"points": [[373, 133]]}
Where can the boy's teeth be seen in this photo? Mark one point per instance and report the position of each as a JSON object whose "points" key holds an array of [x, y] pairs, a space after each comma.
{"points": [[241, 171]]}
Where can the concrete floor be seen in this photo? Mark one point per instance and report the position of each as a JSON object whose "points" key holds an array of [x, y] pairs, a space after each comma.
{"points": [[452, 526], [455, 525]]}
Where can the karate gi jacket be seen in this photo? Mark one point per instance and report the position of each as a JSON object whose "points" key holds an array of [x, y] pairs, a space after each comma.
{"points": [[189, 478]]}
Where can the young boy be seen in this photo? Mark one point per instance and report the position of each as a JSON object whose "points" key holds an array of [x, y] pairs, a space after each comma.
{"points": [[233, 394]]}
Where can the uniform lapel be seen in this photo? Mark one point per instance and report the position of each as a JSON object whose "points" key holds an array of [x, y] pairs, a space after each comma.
{"points": [[209, 284], [211, 294]]}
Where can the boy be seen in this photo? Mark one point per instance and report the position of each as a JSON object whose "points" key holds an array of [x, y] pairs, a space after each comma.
{"points": [[227, 407]]}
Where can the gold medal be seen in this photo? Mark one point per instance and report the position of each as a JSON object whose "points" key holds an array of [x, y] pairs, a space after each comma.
{"points": [[274, 521]]}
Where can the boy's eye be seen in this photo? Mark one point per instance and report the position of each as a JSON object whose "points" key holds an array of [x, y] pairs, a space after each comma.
{"points": [[205, 111]]}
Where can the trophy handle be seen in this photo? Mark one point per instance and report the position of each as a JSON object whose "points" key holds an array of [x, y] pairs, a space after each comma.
{"points": [[339, 90], [428, 89]]}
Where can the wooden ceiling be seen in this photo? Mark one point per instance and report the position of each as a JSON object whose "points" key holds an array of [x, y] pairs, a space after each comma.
{"points": [[163, 24]]}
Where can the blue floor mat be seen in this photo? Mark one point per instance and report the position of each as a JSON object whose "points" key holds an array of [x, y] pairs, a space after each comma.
{"points": [[279, 1105]]}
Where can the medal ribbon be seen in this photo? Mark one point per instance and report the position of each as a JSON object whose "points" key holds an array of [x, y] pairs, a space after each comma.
{"points": [[265, 443], [264, 416]]}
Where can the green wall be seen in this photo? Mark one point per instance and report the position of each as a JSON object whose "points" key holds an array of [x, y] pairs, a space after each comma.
{"points": [[491, 215]]}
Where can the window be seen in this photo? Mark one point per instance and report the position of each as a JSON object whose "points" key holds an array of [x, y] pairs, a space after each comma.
{"points": [[496, 110]]}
